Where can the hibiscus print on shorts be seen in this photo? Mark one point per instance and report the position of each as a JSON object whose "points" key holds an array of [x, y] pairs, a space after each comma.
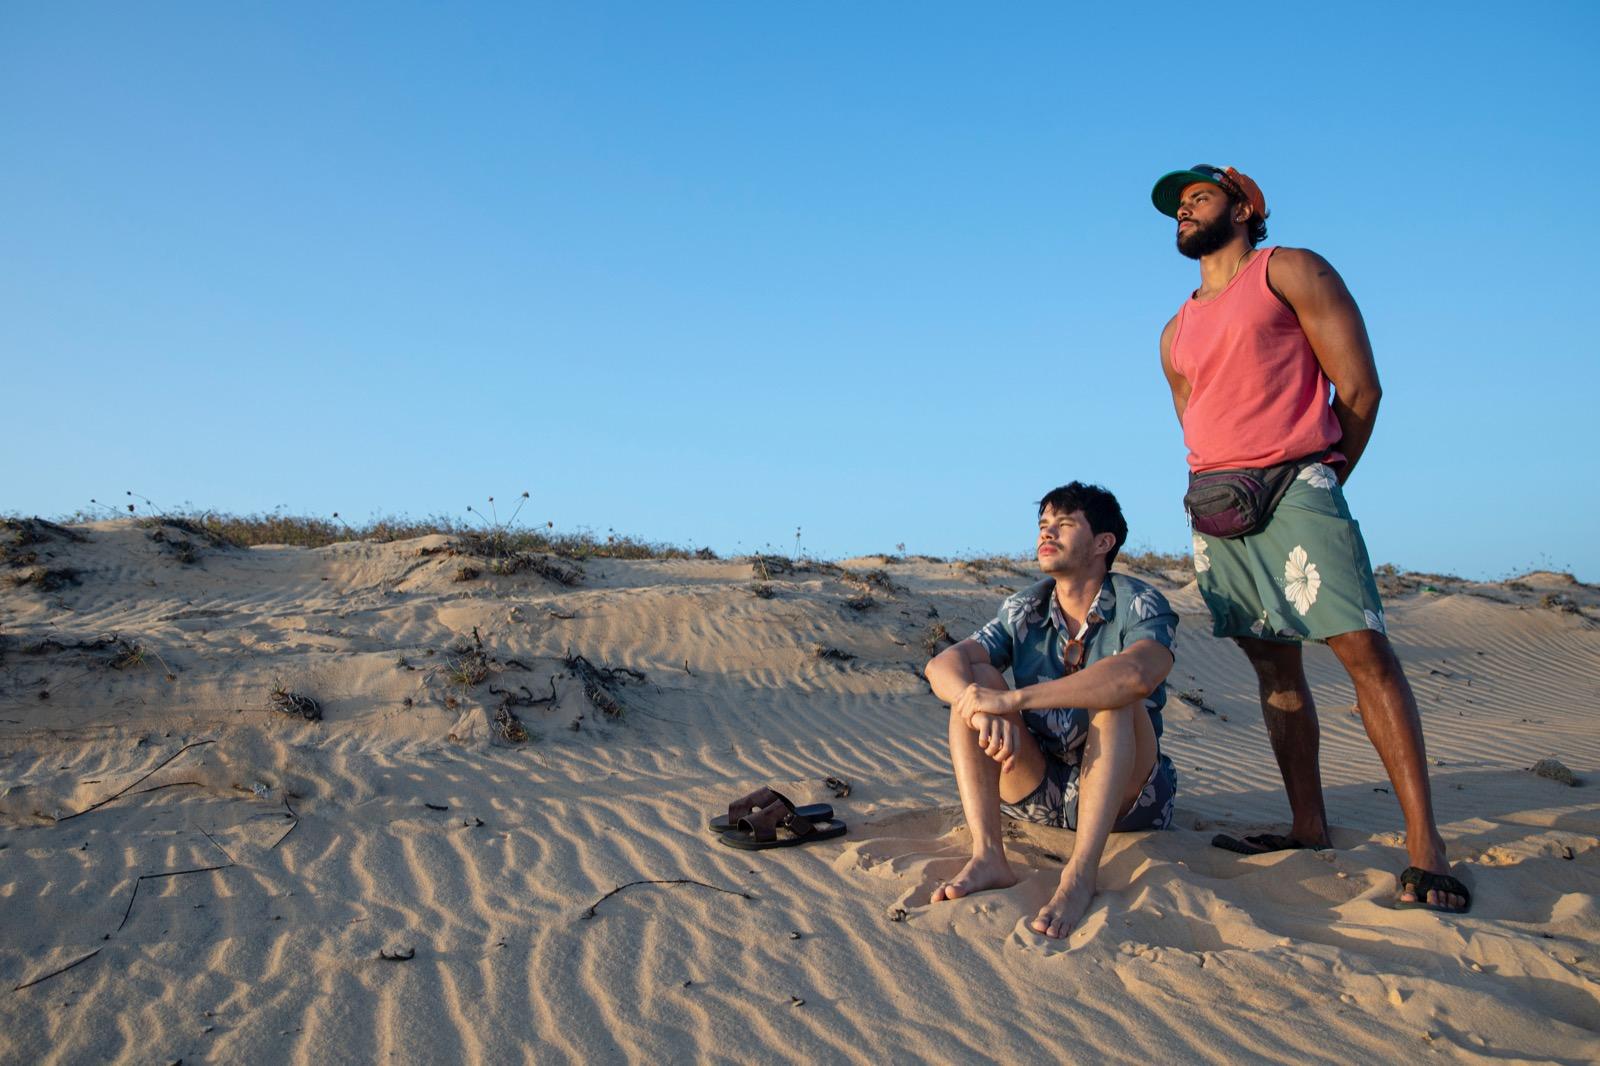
{"points": [[1319, 476], [1301, 580]]}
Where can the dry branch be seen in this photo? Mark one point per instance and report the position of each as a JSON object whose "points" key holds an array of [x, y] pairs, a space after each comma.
{"points": [[146, 777], [590, 912], [57, 973]]}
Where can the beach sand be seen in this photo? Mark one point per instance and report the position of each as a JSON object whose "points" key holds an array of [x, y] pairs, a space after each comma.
{"points": [[407, 821]]}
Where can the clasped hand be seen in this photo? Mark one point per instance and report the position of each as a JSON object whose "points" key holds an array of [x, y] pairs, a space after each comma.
{"points": [[999, 734], [975, 700]]}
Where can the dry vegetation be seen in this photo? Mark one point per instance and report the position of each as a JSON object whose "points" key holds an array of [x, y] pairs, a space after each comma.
{"points": [[24, 543], [1155, 562], [304, 531]]}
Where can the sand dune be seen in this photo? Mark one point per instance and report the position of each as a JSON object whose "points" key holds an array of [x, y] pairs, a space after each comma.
{"points": [[408, 821]]}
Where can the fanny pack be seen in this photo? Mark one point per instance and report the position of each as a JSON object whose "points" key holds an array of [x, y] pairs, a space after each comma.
{"points": [[1236, 503]]}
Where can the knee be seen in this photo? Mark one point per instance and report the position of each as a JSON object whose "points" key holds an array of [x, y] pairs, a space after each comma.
{"points": [[1278, 673], [1111, 714], [1367, 655], [986, 676]]}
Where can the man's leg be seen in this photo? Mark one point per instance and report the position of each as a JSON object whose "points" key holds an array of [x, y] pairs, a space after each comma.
{"points": [[1118, 755], [1291, 720], [1389, 712], [978, 777]]}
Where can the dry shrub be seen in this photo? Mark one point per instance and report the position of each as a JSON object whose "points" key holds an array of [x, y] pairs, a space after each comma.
{"points": [[281, 699], [47, 578]]}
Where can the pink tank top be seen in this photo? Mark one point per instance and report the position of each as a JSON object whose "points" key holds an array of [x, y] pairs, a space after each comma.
{"points": [[1257, 394]]}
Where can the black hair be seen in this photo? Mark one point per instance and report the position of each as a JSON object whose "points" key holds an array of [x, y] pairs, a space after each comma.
{"points": [[1099, 508]]}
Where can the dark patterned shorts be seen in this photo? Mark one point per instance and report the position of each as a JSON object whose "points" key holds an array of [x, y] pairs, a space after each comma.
{"points": [[1055, 801]]}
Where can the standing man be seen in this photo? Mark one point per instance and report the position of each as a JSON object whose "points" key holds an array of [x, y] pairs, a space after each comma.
{"points": [[1251, 356], [1076, 744]]}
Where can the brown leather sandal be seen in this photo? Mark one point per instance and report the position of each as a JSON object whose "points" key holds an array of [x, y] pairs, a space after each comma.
{"points": [[759, 800], [779, 825]]}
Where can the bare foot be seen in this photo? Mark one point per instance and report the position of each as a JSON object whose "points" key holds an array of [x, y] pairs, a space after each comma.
{"points": [[1057, 918], [983, 872]]}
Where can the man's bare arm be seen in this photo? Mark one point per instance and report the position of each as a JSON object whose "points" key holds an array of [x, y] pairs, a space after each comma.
{"points": [[1114, 681], [950, 672], [1111, 682], [1332, 323], [1178, 383]]}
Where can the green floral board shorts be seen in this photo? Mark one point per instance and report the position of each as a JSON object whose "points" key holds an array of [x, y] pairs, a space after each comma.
{"points": [[1306, 576]]}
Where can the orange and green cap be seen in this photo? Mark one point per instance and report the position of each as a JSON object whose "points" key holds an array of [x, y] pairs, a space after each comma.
{"points": [[1169, 189]]}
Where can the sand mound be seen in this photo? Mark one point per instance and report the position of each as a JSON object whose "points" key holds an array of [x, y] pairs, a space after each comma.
{"points": [[498, 752]]}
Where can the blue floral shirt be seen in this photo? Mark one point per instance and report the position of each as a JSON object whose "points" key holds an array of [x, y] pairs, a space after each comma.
{"points": [[1029, 635]]}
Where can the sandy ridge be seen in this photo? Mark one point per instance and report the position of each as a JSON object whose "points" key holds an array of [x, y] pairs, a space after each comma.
{"points": [[1190, 953]]}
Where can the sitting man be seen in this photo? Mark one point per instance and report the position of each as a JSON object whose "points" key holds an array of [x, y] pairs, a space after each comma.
{"points": [[1076, 744]]}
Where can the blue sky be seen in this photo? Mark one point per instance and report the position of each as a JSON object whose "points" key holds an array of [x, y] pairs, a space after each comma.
{"points": [[705, 273]]}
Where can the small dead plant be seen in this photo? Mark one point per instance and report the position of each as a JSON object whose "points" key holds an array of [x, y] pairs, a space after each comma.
{"points": [[281, 699], [936, 639], [599, 683]]}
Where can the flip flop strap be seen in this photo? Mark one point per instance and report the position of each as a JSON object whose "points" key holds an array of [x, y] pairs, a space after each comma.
{"points": [[1421, 882], [763, 825], [760, 799]]}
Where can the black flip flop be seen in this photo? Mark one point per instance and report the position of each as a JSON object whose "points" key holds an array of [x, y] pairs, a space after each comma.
{"points": [[778, 827], [1260, 844], [760, 799], [1421, 882]]}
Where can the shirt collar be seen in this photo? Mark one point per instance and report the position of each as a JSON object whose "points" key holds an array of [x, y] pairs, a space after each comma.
{"points": [[1103, 609]]}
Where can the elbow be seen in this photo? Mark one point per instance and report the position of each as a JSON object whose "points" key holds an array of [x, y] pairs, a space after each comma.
{"points": [[1146, 683], [1361, 396], [1149, 676]]}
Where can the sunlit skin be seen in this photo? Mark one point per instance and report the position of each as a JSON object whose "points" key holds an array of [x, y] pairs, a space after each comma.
{"points": [[1310, 287], [997, 761]]}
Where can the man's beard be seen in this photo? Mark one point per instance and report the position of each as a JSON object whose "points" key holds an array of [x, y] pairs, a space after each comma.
{"points": [[1206, 238]]}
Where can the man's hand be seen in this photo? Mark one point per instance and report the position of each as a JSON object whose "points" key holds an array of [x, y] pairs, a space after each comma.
{"points": [[975, 701], [998, 736]]}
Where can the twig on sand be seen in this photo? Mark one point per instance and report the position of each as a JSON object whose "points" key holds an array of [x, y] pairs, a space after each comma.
{"points": [[527, 699], [169, 784], [146, 777], [57, 973], [219, 847], [590, 913], [152, 877], [292, 828]]}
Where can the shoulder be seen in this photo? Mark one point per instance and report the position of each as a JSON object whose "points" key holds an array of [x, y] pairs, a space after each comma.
{"points": [[1169, 331], [1019, 613], [1297, 271], [1030, 598], [1127, 585], [1139, 600]]}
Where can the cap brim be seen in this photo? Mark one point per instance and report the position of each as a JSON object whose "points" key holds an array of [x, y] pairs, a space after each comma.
{"points": [[1169, 189]]}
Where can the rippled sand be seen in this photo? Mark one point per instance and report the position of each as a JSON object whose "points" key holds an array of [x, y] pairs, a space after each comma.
{"points": [[342, 839]]}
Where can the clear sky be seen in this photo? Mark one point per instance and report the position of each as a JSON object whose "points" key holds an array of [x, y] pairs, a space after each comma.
{"points": [[708, 272]]}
